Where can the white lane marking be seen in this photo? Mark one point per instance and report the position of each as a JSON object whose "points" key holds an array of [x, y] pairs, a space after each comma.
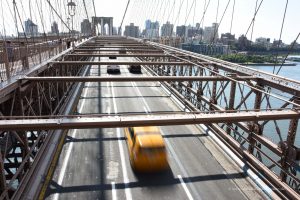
{"points": [[185, 188], [145, 109], [177, 160], [68, 154], [182, 169], [140, 95], [125, 176], [108, 110], [113, 191]]}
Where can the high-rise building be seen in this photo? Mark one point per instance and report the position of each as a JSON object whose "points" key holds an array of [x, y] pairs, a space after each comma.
{"points": [[31, 29], [181, 31], [167, 29], [227, 39], [147, 24], [54, 28], [132, 31], [193, 31], [86, 27], [211, 34], [152, 29], [115, 31]]}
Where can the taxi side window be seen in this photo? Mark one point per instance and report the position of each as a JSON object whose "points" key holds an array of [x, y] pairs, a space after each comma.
{"points": [[131, 131]]}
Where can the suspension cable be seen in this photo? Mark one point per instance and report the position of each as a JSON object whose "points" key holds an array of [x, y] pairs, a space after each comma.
{"points": [[252, 21], [58, 15], [252, 30], [218, 24], [123, 17], [232, 16], [282, 24], [86, 12], [289, 51]]}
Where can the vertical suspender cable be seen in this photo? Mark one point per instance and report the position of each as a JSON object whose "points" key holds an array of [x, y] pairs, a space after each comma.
{"points": [[253, 20], [232, 15], [282, 24], [123, 18]]}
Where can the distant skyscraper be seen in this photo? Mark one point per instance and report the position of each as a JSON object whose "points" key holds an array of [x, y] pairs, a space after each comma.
{"points": [[211, 33], [54, 28], [167, 29], [147, 24], [194, 31], [227, 39], [152, 29], [31, 29], [86, 27], [181, 31], [115, 31], [132, 31]]}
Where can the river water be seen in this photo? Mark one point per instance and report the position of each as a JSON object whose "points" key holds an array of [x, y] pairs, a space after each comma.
{"points": [[291, 72]]}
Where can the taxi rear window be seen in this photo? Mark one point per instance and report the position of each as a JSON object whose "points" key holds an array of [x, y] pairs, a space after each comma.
{"points": [[152, 150]]}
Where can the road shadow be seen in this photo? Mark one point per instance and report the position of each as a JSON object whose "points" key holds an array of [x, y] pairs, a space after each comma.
{"points": [[153, 180]]}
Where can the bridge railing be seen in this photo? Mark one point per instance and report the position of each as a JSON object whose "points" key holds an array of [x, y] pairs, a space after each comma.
{"points": [[21, 151], [270, 146], [36, 53]]}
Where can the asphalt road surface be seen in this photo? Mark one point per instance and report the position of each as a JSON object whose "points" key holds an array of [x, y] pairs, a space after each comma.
{"points": [[94, 163]]}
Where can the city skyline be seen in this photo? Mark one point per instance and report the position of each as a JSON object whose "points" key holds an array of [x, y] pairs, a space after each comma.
{"points": [[179, 32], [267, 23]]}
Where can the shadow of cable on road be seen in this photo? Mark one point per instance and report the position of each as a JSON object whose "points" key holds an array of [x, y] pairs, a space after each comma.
{"points": [[122, 86], [127, 97], [70, 139], [144, 180]]}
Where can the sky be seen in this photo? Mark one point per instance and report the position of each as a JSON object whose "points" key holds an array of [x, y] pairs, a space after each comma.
{"points": [[179, 12]]}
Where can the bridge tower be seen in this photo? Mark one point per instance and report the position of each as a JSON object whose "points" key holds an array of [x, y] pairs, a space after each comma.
{"points": [[102, 21]]}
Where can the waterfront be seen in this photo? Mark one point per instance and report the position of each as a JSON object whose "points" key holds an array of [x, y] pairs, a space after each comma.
{"points": [[291, 72]]}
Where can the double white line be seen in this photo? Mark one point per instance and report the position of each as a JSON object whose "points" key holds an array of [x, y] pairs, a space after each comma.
{"points": [[122, 155]]}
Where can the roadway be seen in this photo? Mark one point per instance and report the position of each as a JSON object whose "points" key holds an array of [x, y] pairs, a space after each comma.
{"points": [[94, 163]]}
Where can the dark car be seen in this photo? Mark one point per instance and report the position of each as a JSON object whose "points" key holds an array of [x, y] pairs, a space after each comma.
{"points": [[113, 69], [122, 51], [112, 57], [134, 68]]}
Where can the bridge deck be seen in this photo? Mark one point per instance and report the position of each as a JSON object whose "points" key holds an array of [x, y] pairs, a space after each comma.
{"points": [[253, 115], [94, 163]]}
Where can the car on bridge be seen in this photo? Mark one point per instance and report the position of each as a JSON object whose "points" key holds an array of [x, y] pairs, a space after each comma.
{"points": [[113, 69], [112, 57], [147, 150], [135, 69]]}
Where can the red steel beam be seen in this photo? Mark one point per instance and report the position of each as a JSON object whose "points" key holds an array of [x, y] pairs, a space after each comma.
{"points": [[117, 63], [135, 78], [119, 55], [110, 121], [124, 49]]}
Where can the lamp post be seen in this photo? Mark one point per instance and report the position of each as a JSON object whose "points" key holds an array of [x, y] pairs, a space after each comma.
{"points": [[71, 10], [68, 22]]}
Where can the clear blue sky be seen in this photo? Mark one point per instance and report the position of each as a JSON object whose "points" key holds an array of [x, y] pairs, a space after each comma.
{"points": [[267, 23]]}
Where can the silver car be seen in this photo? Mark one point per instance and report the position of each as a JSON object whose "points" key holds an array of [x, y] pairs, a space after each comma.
{"points": [[113, 69]]}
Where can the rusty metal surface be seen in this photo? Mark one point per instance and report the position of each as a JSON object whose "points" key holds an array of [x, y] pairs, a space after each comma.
{"points": [[111, 121], [24, 150], [116, 63], [135, 78], [119, 55]]}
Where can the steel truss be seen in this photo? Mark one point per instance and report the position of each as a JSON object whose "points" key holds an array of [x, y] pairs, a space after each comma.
{"points": [[221, 90], [20, 149]]}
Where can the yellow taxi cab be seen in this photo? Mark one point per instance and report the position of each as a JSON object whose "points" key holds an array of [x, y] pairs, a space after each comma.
{"points": [[147, 149]]}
